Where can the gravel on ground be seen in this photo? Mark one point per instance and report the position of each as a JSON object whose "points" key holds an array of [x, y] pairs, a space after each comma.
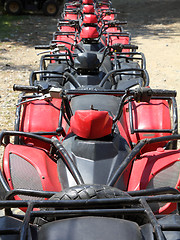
{"points": [[154, 26]]}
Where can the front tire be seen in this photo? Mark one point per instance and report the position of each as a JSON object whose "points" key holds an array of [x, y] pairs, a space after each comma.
{"points": [[79, 192], [85, 191]]}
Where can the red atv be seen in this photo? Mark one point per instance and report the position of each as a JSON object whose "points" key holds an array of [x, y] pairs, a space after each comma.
{"points": [[88, 22], [97, 129], [88, 31], [85, 67], [95, 161]]}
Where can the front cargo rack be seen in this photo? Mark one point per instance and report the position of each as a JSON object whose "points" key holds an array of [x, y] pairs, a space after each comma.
{"points": [[22, 225]]}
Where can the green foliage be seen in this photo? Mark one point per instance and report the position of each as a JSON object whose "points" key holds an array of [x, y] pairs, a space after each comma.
{"points": [[9, 25]]}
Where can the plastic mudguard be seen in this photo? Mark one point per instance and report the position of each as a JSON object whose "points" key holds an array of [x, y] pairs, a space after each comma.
{"points": [[30, 168]]}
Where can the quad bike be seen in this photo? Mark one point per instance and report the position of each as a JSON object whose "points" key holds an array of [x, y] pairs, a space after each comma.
{"points": [[74, 10], [81, 165], [36, 114], [89, 31], [89, 27], [15, 7], [85, 67], [99, 131], [91, 177], [87, 11]]}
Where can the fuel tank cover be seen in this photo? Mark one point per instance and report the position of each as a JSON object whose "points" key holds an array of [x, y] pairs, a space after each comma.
{"points": [[89, 32], [87, 2], [88, 9], [90, 18], [91, 124]]}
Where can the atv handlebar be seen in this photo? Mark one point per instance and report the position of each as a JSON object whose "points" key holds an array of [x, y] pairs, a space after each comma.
{"points": [[134, 92], [140, 94]]}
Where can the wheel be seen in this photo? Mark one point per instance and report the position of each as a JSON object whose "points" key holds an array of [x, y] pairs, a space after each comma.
{"points": [[95, 191], [79, 192], [50, 8], [13, 7]]}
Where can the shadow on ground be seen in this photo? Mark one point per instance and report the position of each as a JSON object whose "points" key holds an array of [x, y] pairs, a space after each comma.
{"points": [[143, 14]]}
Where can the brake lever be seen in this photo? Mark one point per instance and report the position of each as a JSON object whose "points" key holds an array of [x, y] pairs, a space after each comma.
{"points": [[43, 97], [58, 48], [48, 51]]}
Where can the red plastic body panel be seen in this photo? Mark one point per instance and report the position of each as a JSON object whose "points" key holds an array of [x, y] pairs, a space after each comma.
{"points": [[89, 32], [40, 116], [112, 29], [88, 9], [70, 6], [71, 16], [91, 124], [67, 29], [46, 167], [109, 17], [117, 39], [90, 18], [87, 2], [152, 115], [66, 38], [150, 164]]}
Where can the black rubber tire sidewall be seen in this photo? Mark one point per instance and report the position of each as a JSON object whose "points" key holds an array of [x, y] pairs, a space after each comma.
{"points": [[95, 191], [45, 7], [7, 8]]}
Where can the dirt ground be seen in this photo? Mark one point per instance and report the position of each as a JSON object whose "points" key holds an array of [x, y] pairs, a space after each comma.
{"points": [[154, 26]]}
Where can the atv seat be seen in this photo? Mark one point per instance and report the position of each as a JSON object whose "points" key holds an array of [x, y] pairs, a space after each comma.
{"points": [[90, 228], [100, 102]]}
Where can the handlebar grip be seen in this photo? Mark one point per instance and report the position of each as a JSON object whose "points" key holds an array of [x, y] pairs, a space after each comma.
{"points": [[117, 22], [119, 47], [30, 89], [122, 22], [163, 93], [42, 47], [144, 94], [129, 46]]}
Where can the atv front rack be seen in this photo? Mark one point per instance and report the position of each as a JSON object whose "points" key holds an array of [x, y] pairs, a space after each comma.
{"points": [[125, 207]]}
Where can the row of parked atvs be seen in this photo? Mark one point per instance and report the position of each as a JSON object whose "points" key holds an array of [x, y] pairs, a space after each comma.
{"points": [[94, 152]]}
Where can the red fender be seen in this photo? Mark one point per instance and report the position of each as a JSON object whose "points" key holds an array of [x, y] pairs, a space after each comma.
{"points": [[40, 116], [67, 29], [119, 39], [66, 38], [109, 17], [32, 166], [152, 115], [71, 16], [148, 166]]}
